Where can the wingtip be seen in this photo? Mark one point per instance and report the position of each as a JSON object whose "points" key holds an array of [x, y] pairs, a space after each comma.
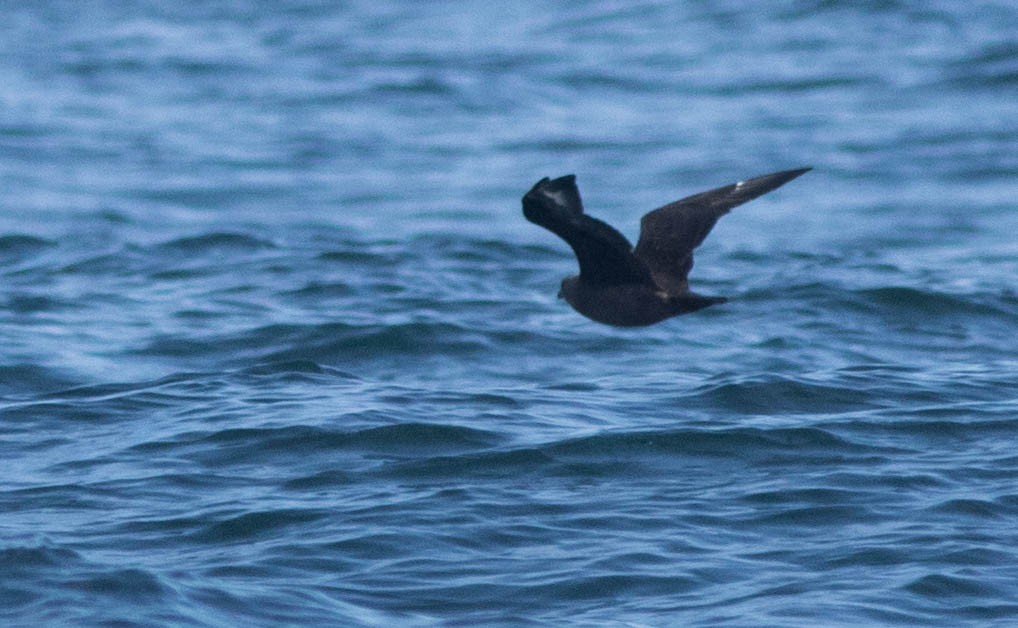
{"points": [[537, 187], [548, 182], [794, 172], [569, 179], [555, 195], [766, 183]]}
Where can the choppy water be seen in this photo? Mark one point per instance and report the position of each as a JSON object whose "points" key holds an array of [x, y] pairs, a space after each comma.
{"points": [[278, 346]]}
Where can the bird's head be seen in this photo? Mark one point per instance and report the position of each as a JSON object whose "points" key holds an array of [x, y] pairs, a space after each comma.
{"points": [[568, 288]]}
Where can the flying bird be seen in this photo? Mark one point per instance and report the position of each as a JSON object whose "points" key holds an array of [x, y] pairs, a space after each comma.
{"points": [[631, 287]]}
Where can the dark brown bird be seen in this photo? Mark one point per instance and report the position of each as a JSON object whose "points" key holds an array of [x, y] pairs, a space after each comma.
{"points": [[627, 287]]}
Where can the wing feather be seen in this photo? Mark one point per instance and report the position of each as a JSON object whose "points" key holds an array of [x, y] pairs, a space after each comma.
{"points": [[605, 255], [669, 234]]}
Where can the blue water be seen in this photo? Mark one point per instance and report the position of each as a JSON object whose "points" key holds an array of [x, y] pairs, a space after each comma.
{"points": [[278, 347]]}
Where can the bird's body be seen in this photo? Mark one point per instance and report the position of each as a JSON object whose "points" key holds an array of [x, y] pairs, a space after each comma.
{"points": [[631, 287], [629, 305]]}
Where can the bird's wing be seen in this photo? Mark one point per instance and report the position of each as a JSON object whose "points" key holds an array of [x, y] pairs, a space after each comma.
{"points": [[669, 234], [605, 255]]}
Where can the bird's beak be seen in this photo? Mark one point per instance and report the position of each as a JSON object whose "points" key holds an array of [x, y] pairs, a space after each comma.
{"points": [[560, 294]]}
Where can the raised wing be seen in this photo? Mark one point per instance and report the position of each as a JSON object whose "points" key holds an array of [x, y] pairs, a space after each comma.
{"points": [[605, 255], [669, 234]]}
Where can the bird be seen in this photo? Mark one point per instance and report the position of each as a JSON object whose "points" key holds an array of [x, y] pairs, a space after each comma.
{"points": [[627, 286]]}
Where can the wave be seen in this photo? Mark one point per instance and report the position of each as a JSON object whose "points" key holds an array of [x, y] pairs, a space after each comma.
{"points": [[253, 446], [24, 381], [14, 559], [15, 247], [935, 303], [341, 344], [215, 242]]}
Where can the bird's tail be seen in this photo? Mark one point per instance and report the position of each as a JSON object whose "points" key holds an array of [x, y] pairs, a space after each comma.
{"points": [[691, 302]]}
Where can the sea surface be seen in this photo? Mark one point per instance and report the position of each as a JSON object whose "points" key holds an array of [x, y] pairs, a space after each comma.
{"points": [[277, 346]]}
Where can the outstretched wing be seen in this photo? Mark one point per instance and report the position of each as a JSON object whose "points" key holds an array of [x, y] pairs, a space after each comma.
{"points": [[605, 255], [669, 234]]}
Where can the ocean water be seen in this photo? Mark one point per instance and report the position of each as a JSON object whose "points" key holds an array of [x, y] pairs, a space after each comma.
{"points": [[277, 346]]}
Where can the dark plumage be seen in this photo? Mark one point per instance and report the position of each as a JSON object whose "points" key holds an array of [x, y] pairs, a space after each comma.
{"points": [[629, 287]]}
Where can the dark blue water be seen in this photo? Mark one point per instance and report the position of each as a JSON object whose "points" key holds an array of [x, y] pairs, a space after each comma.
{"points": [[278, 347]]}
